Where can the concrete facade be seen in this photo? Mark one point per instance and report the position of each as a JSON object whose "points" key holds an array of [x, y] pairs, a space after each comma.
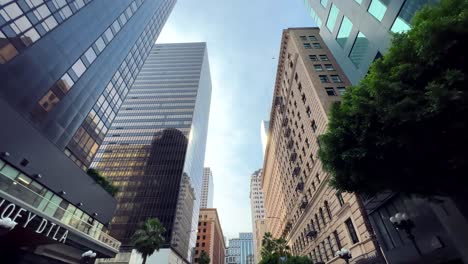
{"points": [[314, 219], [210, 237], [258, 212], [376, 29]]}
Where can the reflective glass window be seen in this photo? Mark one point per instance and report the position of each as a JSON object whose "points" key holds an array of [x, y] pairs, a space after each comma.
{"points": [[100, 44], [377, 8], [307, 45], [65, 83], [359, 50], [344, 31], [358, 1], [403, 21], [9, 171], [318, 67], [317, 45], [90, 55], [332, 16], [323, 57], [109, 35], [330, 91], [313, 57], [79, 68], [323, 79], [324, 3], [341, 90], [11, 12], [329, 67], [335, 78]]}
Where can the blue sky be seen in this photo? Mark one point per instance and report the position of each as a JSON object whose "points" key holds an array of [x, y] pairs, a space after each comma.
{"points": [[243, 38]]}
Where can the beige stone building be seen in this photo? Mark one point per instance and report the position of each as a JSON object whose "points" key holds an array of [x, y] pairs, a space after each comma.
{"points": [[314, 218]]}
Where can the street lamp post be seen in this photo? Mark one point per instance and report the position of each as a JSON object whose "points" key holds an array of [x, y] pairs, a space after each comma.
{"points": [[402, 221], [345, 254]]}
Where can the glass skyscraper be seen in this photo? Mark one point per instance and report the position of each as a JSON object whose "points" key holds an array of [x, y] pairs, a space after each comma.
{"points": [[241, 250], [65, 68], [359, 31], [155, 149]]}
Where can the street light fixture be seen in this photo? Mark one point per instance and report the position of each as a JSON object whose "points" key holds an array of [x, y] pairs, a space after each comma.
{"points": [[402, 221], [344, 253]]}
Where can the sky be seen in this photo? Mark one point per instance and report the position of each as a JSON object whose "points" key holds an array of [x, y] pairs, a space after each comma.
{"points": [[243, 39]]}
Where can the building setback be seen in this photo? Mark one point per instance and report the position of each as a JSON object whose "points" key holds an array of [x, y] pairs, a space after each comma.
{"points": [[65, 68], [210, 238], [258, 212], [240, 250], [357, 32], [207, 189], [314, 219], [154, 151]]}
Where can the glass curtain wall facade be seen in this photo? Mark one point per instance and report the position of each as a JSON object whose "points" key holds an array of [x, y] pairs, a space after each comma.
{"points": [[358, 32], [154, 151], [241, 250], [66, 66], [207, 189]]}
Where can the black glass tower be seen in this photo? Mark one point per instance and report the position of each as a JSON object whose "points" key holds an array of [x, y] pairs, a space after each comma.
{"points": [[155, 149], [65, 68]]}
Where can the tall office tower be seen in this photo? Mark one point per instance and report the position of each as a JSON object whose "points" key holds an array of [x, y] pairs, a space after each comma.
{"points": [[155, 149], [210, 238], [65, 67], [264, 126], [240, 250], [207, 189], [258, 212], [314, 218], [357, 32]]}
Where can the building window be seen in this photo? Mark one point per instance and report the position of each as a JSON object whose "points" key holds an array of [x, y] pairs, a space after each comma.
{"points": [[322, 216], [358, 1], [330, 91], [329, 67], [303, 38], [316, 45], [344, 31], [323, 57], [307, 45], [324, 3], [332, 16], [312, 38], [335, 78], [377, 8], [313, 57], [352, 231], [341, 90], [359, 49], [403, 21], [327, 208], [314, 126], [337, 239], [318, 67], [317, 221], [323, 79], [340, 199]]}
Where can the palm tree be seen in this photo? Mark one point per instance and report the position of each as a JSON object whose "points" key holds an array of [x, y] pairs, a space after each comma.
{"points": [[148, 238], [268, 245], [282, 247], [204, 258]]}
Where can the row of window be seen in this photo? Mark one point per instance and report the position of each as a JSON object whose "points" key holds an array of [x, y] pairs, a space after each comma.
{"points": [[25, 22]]}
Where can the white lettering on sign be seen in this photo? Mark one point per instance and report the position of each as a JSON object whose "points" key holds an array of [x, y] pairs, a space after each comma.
{"points": [[52, 228]]}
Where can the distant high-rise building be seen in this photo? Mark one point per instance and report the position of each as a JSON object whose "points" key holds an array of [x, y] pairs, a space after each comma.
{"points": [[65, 68], [240, 250], [258, 212], [315, 219], [357, 32], [264, 126], [210, 237], [155, 149], [207, 189]]}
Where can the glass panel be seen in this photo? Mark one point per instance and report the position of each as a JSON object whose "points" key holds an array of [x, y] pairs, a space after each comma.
{"points": [[9, 171], [1, 164], [400, 26], [90, 55], [65, 83], [79, 68], [344, 31], [359, 50], [23, 179], [100, 44], [324, 3], [358, 1], [377, 8], [332, 17]]}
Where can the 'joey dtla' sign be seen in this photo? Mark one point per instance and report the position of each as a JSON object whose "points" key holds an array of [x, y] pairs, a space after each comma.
{"points": [[32, 221]]}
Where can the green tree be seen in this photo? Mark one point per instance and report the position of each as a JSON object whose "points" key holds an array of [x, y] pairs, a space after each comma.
{"points": [[102, 181], [298, 260], [273, 249], [148, 238], [404, 127], [204, 258]]}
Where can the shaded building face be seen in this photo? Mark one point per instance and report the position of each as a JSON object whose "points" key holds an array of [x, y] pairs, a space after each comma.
{"points": [[67, 71], [154, 151]]}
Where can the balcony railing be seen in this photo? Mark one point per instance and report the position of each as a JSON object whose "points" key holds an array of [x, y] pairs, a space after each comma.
{"points": [[46, 206]]}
